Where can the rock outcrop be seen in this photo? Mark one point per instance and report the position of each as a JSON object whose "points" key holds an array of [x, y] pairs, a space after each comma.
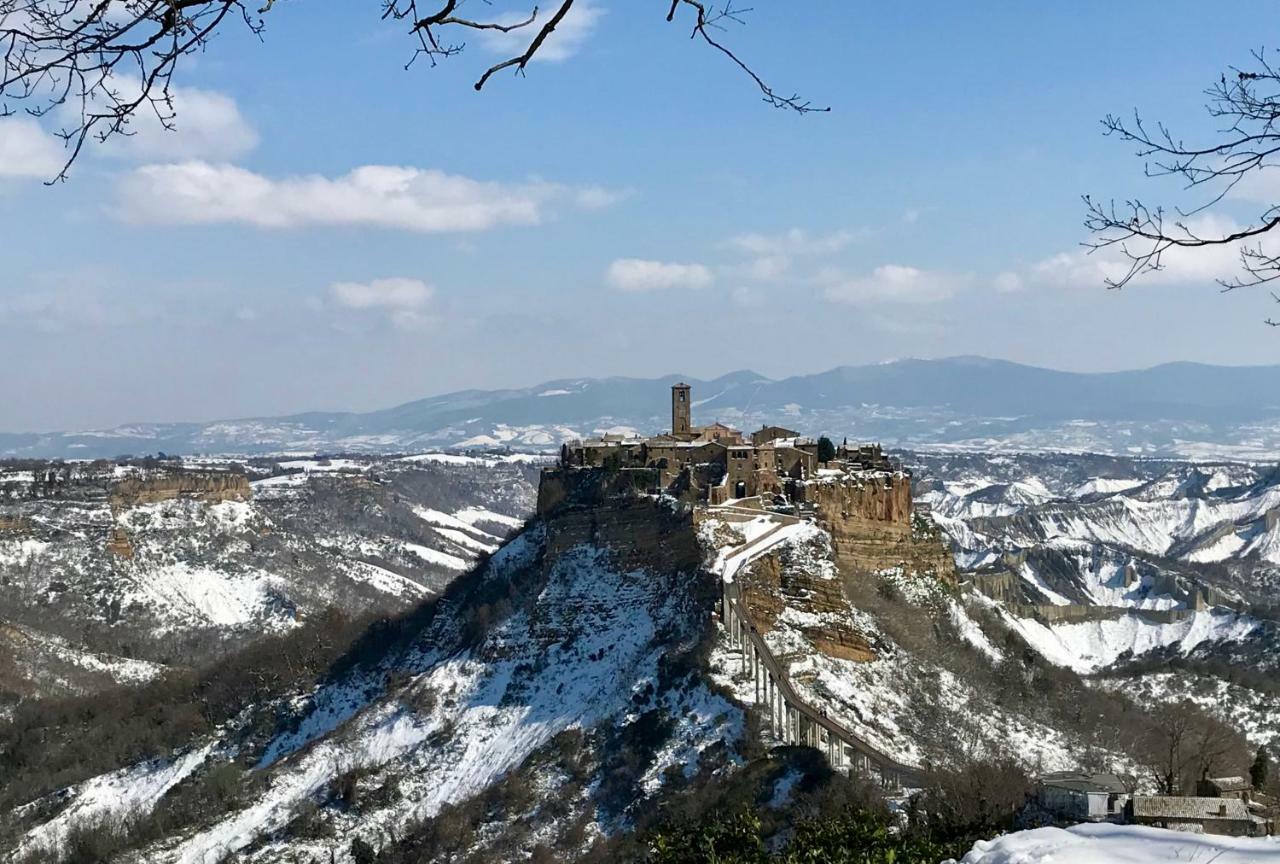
{"points": [[872, 528], [869, 520], [208, 486], [582, 508], [773, 584], [118, 544]]}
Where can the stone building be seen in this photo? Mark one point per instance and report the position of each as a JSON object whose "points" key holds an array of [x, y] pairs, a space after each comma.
{"points": [[1078, 796], [1227, 816], [681, 411], [1224, 787], [717, 463]]}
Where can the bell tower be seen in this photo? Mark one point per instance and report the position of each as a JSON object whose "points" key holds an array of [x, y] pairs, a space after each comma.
{"points": [[680, 410]]}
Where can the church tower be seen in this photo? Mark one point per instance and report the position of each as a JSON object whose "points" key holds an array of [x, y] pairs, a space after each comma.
{"points": [[680, 408]]}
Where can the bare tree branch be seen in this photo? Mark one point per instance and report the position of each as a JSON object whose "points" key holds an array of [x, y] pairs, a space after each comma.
{"points": [[708, 18], [94, 65], [520, 62], [1247, 105]]}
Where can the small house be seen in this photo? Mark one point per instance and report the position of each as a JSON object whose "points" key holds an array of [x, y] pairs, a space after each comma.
{"points": [[1224, 787], [1083, 797], [1226, 816]]}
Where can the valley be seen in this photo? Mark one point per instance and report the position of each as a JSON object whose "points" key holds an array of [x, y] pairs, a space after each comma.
{"points": [[112, 572], [560, 681]]}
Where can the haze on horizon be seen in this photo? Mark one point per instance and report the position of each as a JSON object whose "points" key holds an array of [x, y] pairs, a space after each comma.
{"points": [[629, 208]]}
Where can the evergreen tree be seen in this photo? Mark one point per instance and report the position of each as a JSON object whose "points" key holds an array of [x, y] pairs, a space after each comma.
{"points": [[362, 852], [1260, 770], [826, 450]]}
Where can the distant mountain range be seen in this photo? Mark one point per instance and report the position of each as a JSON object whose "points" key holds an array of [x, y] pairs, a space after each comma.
{"points": [[972, 403]]}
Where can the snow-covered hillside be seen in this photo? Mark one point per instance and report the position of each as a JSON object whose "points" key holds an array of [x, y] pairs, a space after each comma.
{"points": [[565, 689], [1103, 563], [96, 589], [580, 685]]}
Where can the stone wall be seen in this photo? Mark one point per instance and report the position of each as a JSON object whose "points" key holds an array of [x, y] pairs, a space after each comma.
{"points": [[210, 487]]}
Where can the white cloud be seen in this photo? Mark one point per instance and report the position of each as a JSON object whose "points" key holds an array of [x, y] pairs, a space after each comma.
{"points": [[634, 275], [206, 125], [404, 301], [767, 268], [795, 241], [564, 42], [69, 310], [1261, 186], [384, 196], [395, 293], [26, 150], [770, 256], [1007, 282], [598, 197], [1082, 268], [745, 296], [891, 283]]}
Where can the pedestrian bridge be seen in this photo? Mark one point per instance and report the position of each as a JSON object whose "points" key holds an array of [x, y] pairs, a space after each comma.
{"points": [[793, 719]]}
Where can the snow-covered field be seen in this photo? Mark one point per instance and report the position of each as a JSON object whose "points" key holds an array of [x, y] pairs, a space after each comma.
{"points": [[1121, 844]]}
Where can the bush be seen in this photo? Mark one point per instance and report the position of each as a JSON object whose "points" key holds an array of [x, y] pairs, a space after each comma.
{"points": [[852, 837], [362, 852]]}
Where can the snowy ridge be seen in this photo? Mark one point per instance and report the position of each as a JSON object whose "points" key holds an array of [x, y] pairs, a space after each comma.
{"points": [[126, 792], [1132, 538], [1093, 645], [447, 718]]}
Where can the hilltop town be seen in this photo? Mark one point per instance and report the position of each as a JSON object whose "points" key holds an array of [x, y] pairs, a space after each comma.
{"points": [[716, 463]]}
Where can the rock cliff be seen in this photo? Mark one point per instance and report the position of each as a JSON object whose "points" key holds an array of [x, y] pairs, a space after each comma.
{"points": [[208, 486], [778, 582], [589, 508], [872, 529]]}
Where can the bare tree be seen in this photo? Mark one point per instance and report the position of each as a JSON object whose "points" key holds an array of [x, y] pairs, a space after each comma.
{"points": [[1183, 745], [1245, 103], [99, 64]]}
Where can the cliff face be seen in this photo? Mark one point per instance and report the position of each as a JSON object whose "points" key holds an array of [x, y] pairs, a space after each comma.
{"points": [[781, 581], [866, 527], [582, 508], [210, 487], [869, 520]]}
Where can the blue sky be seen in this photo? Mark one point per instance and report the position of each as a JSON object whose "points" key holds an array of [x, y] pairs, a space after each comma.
{"points": [[330, 231]]}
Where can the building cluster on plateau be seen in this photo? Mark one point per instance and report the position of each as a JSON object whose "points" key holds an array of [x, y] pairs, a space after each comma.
{"points": [[717, 463]]}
